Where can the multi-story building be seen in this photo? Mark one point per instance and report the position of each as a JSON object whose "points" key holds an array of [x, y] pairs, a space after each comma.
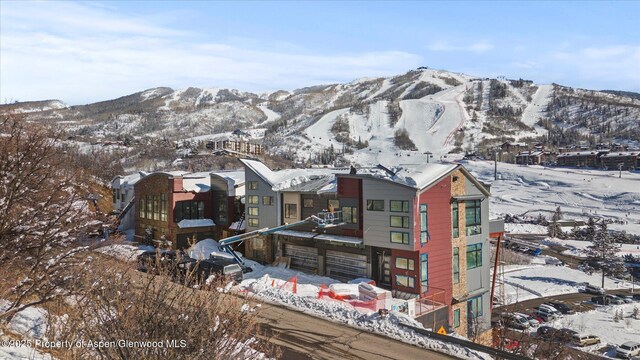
{"points": [[418, 230], [122, 188], [627, 160], [581, 158], [176, 208]]}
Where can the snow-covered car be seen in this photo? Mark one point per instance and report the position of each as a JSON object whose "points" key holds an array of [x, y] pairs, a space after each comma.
{"points": [[628, 349], [515, 321], [584, 340], [601, 300], [613, 299], [562, 307], [550, 308], [545, 314], [592, 289], [532, 322]]}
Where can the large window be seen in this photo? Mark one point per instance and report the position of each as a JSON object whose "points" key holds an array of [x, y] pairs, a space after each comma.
{"points": [[424, 272], [404, 263], [163, 207], [291, 211], [399, 221], [399, 206], [456, 265], [156, 208], [308, 203], [253, 199], [142, 208], [375, 205], [149, 207], [189, 210], [456, 318], [455, 219], [398, 237], [473, 217], [253, 211], [254, 222], [474, 256], [267, 200], [474, 307], [253, 185], [406, 281], [350, 215], [424, 224]]}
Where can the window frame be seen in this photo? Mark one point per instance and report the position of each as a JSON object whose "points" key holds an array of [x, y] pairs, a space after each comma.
{"points": [[405, 235], [269, 202], [253, 211], [424, 224], [256, 197], [404, 209], [402, 221], [473, 227], [335, 208], [288, 213], [352, 212], [456, 318], [195, 210], [143, 208], [455, 219], [476, 302], [253, 185], [409, 263], [456, 265], [163, 207], [253, 222], [305, 203], [371, 205], [474, 252], [424, 272], [411, 281]]}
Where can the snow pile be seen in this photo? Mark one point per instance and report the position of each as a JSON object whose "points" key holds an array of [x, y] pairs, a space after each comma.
{"points": [[203, 249], [31, 324], [126, 252], [191, 223]]}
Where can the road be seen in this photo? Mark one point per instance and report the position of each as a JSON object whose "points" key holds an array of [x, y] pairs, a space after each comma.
{"points": [[306, 337]]}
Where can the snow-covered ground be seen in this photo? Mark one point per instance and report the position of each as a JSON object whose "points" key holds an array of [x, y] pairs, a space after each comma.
{"points": [[524, 282], [27, 325], [600, 322], [525, 229], [579, 248], [580, 193]]}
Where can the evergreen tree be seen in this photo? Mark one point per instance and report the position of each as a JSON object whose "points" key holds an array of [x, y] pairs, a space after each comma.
{"points": [[603, 251]]}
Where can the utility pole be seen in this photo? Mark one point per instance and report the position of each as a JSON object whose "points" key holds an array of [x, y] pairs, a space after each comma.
{"points": [[495, 164], [620, 168]]}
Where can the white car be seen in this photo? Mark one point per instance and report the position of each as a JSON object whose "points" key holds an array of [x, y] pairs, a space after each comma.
{"points": [[545, 314], [628, 349], [533, 322]]}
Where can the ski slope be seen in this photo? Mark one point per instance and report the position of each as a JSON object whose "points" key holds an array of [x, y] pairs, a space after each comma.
{"points": [[535, 110]]}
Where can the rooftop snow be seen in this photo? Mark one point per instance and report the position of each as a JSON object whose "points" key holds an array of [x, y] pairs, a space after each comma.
{"points": [[288, 178], [191, 223], [415, 176]]}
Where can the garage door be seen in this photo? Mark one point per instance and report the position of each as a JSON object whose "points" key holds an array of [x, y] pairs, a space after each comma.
{"points": [[302, 257], [346, 266]]}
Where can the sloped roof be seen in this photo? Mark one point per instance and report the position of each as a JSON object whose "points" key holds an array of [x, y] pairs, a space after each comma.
{"points": [[287, 178]]}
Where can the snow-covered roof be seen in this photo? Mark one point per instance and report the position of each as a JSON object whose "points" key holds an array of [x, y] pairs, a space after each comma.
{"points": [[531, 153], [287, 178], [196, 182], [417, 176], [622, 154], [234, 179], [191, 223], [580, 153], [339, 238], [130, 179], [316, 184]]}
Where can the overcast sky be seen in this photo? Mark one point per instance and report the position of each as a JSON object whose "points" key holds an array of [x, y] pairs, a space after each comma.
{"points": [[82, 52]]}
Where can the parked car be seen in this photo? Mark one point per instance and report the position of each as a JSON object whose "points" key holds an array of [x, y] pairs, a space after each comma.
{"points": [[584, 340], [627, 299], [636, 297], [536, 317], [592, 289], [157, 261], [532, 322], [565, 335], [614, 299], [546, 331], [628, 349], [515, 321], [545, 314], [562, 307], [536, 252], [550, 308], [204, 269], [600, 300]]}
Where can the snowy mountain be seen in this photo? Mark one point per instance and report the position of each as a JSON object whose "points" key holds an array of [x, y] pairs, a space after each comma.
{"points": [[422, 111]]}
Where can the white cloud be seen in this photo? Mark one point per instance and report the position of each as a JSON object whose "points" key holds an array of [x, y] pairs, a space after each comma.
{"points": [[477, 47], [82, 53]]}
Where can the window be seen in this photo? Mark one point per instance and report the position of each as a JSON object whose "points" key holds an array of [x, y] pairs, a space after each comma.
{"points": [[424, 272], [189, 210], [456, 265], [253, 185], [149, 207], [404, 263], [142, 209], [399, 237], [163, 207], [253, 211], [267, 200], [473, 218], [455, 219], [220, 207], [399, 206], [424, 224], [156, 208], [333, 204], [123, 195], [254, 222], [350, 215], [474, 307], [308, 203], [474, 256], [113, 191], [456, 318], [406, 281], [291, 211], [117, 194], [399, 221], [375, 205], [253, 199]]}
